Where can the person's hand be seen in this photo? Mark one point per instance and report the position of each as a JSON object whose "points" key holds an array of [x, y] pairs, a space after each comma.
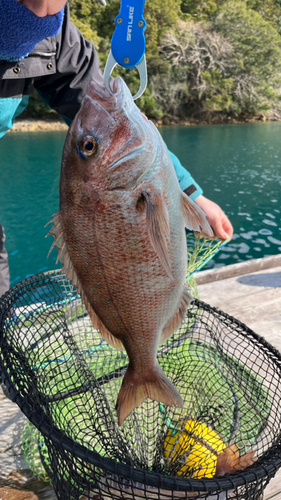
{"points": [[217, 219]]}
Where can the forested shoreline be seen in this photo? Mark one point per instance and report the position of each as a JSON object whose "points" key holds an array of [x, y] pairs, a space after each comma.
{"points": [[209, 61]]}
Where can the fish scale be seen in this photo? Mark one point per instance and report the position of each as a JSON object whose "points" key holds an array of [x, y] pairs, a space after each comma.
{"points": [[121, 236]]}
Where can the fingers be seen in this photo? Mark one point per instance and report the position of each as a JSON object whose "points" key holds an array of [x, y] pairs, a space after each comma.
{"points": [[227, 227], [222, 226], [219, 231], [217, 219]]}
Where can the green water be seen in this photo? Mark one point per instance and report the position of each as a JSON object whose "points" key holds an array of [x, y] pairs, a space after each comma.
{"points": [[238, 166], [29, 172]]}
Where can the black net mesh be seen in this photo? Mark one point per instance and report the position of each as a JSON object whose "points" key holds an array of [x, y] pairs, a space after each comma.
{"points": [[65, 378]]}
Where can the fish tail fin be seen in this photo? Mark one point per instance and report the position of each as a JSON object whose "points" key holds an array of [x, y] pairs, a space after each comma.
{"points": [[136, 389]]}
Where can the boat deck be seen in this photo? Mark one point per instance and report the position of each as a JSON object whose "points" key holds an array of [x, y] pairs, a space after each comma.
{"points": [[251, 292]]}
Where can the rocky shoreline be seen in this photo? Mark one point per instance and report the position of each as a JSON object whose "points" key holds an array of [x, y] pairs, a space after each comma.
{"points": [[38, 126], [33, 125]]}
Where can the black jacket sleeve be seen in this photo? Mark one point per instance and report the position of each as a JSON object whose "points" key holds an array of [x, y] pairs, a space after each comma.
{"points": [[77, 64]]}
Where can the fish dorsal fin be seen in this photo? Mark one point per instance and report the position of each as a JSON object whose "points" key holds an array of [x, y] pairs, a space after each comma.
{"points": [[68, 269], [158, 227], [176, 321], [194, 217]]}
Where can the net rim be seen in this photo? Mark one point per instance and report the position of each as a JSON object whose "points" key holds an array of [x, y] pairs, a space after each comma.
{"points": [[110, 466]]}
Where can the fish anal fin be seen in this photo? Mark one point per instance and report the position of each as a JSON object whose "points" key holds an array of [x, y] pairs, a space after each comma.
{"points": [[68, 269], [158, 227], [96, 322], [111, 340], [176, 321], [136, 389], [194, 217]]}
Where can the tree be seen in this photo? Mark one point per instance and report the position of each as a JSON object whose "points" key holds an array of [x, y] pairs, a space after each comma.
{"points": [[199, 9], [257, 56], [270, 10], [197, 79], [81, 13], [203, 56]]}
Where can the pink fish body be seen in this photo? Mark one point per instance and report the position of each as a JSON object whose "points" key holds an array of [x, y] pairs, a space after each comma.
{"points": [[121, 237]]}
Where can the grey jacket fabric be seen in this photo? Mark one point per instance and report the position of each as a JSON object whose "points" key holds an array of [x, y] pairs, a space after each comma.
{"points": [[59, 68]]}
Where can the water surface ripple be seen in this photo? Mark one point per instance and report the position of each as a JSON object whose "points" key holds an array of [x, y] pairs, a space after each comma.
{"points": [[238, 166]]}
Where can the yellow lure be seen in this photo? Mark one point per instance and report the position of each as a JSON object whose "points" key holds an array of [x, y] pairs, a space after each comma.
{"points": [[199, 447]]}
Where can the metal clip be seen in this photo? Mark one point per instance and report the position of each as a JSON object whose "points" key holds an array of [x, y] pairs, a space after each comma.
{"points": [[141, 67], [128, 43]]}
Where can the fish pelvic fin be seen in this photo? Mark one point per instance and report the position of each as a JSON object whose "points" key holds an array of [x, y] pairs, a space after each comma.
{"points": [[158, 227], [68, 269], [194, 217], [137, 388], [176, 321]]}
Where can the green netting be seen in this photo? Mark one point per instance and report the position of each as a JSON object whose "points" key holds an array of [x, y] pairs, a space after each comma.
{"points": [[223, 404], [200, 251], [65, 378]]}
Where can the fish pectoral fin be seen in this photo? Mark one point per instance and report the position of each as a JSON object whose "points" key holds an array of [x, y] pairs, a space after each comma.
{"points": [[136, 388], [158, 227], [175, 322], [68, 269], [194, 217]]}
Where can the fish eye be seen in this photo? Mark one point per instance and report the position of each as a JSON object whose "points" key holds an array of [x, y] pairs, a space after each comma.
{"points": [[88, 145]]}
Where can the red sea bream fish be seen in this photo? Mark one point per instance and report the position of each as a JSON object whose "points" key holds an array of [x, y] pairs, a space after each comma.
{"points": [[120, 233]]}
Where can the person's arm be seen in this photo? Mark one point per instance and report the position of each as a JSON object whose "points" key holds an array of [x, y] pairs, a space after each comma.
{"points": [[77, 63], [187, 183], [217, 219]]}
